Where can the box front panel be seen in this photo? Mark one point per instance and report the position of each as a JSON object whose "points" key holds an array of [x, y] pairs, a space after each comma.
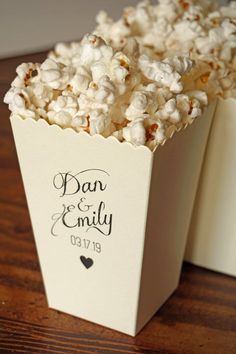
{"points": [[87, 198]]}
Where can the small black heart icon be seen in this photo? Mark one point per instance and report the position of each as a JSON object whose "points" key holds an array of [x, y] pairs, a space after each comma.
{"points": [[87, 262]]}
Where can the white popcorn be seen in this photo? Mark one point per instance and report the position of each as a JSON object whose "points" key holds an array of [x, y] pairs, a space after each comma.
{"points": [[135, 132], [148, 77], [161, 29], [19, 103], [139, 19], [164, 115], [99, 70], [206, 44], [55, 75], [93, 49], [193, 13], [155, 132], [65, 53], [68, 103], [98, 96], [190, 108], [80, 123], [120, 65], [41, 95], [81, 80], [106, 91], [163, 95], [112, 32], [62, 118], [167, 9], [99, 122], [144, 76], [201, 96], [180, 27], [160, 135], [138, 105], [163, 73], [131, 48], [181, 64], [171, 112], [183, 37], [170, 106], [221, 39], [25, 74]]}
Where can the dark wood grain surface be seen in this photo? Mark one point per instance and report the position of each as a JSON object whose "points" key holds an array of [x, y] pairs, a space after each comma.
{"points": [[199, 318]]}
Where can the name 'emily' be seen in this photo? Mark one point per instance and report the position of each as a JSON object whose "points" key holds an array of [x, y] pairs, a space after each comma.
{"points": [[69, 217]]}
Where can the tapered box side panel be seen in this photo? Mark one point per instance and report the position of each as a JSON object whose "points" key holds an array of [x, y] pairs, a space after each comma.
{"points": [[176, 171], [212, 236]]}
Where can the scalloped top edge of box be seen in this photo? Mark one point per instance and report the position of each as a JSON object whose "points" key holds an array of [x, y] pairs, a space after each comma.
{"points": [[109, 140]]}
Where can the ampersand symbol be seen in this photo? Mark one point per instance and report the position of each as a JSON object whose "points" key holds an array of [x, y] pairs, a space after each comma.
{"points": [[84, 207]]}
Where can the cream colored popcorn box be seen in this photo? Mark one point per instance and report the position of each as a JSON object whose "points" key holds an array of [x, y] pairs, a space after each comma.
{"points": [[212, 236], [110, 220]]}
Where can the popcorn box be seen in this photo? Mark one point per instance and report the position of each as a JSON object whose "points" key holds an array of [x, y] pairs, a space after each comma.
{"points": [[212, 236], [110, 219]]}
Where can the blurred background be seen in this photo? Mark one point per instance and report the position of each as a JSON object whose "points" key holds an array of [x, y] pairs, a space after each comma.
{"points": [[28, 26]]}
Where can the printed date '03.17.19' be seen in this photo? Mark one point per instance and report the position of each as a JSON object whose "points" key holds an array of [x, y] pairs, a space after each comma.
{"points": [[85, 243]]}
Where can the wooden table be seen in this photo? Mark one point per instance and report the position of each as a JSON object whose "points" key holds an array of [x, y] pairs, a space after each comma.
{"points": [[199, 318]]}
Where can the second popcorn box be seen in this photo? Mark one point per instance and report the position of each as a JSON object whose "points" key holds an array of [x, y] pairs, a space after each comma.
{"points": [[110, 219], [212, 242]]}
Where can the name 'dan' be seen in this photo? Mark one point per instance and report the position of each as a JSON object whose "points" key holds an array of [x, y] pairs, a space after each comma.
{"points": [[70, 184], [82, 215]]}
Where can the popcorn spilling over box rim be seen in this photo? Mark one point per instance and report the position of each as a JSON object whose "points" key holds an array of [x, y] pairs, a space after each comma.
{"points": [[90, 121], [129, 96], [131, 79]]}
